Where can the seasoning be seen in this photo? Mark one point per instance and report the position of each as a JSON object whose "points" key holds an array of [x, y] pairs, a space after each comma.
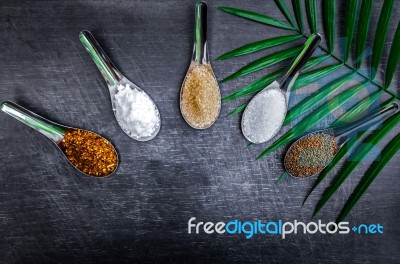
{"points": [[310, 154], [89, 152], [200, 96], [263, 117], [136, 113]]}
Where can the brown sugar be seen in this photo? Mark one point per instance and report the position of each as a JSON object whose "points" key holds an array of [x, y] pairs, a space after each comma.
{"points": [[200, 96]]}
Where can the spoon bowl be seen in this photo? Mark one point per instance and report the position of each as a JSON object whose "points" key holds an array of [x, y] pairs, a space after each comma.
{"points": [[340, 135], [256, 117], [53, 131]]}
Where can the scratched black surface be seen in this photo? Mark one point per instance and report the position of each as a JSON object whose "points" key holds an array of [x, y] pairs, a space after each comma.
{"points": [[50, 213]]}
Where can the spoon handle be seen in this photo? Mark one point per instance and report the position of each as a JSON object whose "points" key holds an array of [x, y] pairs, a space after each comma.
{"points": [[200, 54], [103, 63], [293, 70], [44, 126], [342, 132]]}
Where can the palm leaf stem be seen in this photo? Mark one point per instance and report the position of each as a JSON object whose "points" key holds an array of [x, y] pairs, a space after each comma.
{"points": [[350, 67]]}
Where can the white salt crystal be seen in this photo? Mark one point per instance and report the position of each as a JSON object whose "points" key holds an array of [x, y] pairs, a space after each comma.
{"points": [[264, 115], [135, 112]]}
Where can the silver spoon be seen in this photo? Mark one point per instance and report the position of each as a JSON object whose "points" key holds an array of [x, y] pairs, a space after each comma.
{"points": [[53, 131], [341, 134], [115, 79], [264, 115], [200, 64]]}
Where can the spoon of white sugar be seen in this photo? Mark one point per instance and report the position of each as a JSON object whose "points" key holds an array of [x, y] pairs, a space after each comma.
{"points": [[135, 111], [264, 115]]}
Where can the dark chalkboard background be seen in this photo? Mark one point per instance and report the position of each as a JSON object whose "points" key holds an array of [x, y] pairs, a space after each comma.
{"points": [[51, 213]]}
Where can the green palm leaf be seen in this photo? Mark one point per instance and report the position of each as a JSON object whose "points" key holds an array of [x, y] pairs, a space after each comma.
{"points": [[312, 119], [311, 10], [357, 110], [329, 22], [313, 76], [285, 11], [255, 86], [267, 79], [258, 46], [351, 31], [394, 57], [380, 35], [373, 171], [263, 63], [356, 157], [253, 16], [314, 62], [297, 13], [362, 30], [350, 23], [316, 98]]}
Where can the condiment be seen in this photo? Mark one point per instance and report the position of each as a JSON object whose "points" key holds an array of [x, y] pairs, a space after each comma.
{"points": [[89, 152], [310, 154], [200, 97], [263, 117], [135, 112]]}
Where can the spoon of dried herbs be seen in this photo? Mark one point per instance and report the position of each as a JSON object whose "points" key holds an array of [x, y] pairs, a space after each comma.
{"points": [[88, 152], [310, 154]]}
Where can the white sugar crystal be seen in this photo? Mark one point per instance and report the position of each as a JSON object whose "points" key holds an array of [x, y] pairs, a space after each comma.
{"points": [[264, 115]]}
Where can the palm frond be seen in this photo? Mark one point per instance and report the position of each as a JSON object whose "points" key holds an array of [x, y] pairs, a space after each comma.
{"points": [[360, 108], [380, 35], [311, 10], [374, 170], [350, 23], [362, 31], [255, 86], [316, 98], [330, 22], [253, 16], [394, 57], [357, 28], [258, 46], [313, 76], [263, 63], [296, 4], [285, 11]]}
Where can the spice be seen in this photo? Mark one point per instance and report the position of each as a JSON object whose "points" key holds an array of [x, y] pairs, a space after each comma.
{"points": [[264, 116], [310, 154], [136, 113], [200, 96], [89, 152]]}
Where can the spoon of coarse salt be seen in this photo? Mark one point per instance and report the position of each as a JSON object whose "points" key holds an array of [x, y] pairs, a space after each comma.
{"points": [[135, 111], [264, 115]]}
